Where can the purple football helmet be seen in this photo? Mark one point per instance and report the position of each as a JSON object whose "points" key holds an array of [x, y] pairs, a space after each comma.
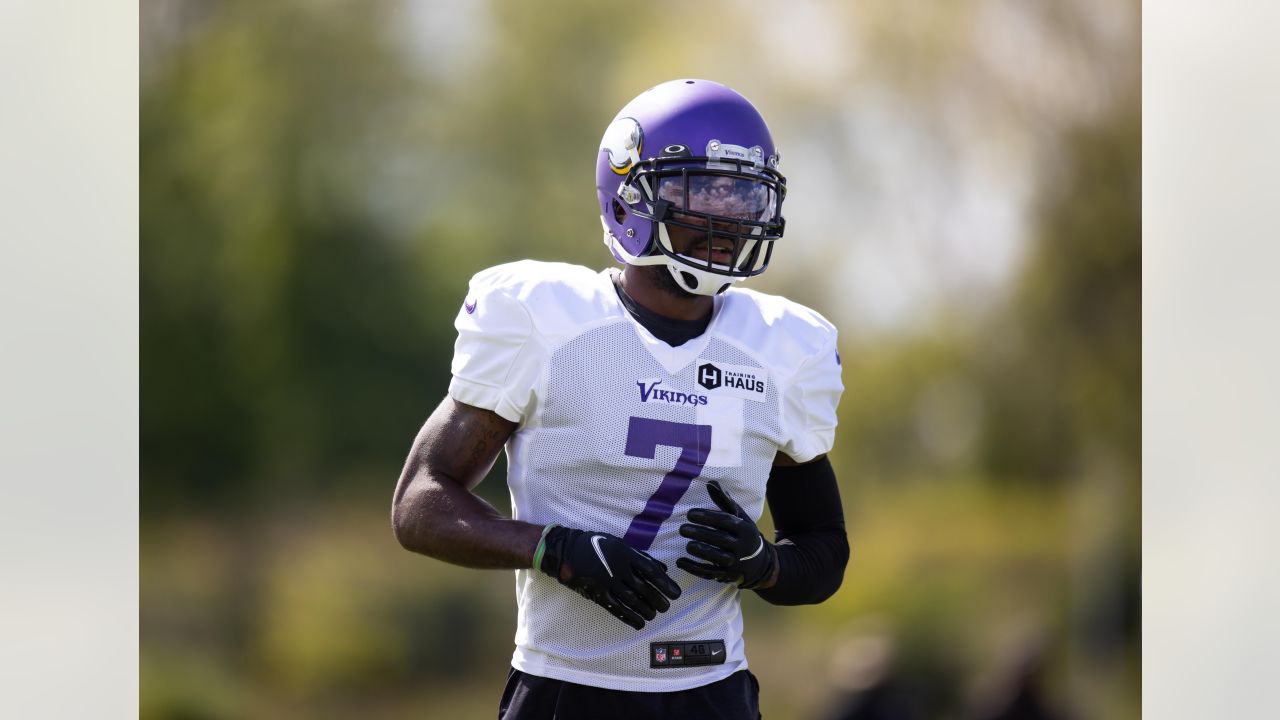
{"points": [[691, 154]]}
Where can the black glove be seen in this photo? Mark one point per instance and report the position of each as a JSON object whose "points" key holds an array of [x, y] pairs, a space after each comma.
{"points": [[729, 541], [605, 570]]}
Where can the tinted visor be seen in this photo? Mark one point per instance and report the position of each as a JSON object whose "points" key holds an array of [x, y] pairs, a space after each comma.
{"points": [[727, 196]]}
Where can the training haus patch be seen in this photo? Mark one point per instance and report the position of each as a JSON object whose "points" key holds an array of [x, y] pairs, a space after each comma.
{"points": [[740, 381]]}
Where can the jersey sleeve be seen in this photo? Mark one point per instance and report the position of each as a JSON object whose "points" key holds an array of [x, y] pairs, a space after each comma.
{"points": [[809, 405], [497, 357]]}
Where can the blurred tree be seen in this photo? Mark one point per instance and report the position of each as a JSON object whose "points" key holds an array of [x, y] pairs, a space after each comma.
{"points": [[526, 146], [1045, 396], [1063, 372], [287, 338], [1049, 385]]}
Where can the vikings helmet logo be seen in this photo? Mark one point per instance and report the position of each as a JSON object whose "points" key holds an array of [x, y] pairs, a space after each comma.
{"points": [[623, 140]]}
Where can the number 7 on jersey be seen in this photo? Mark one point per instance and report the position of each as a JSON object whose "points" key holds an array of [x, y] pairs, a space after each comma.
{"points": [[644, 435]]}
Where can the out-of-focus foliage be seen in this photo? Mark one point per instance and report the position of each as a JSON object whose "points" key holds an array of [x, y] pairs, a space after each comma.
{"points": [[319, 180], [997, 473], [282, 325]]}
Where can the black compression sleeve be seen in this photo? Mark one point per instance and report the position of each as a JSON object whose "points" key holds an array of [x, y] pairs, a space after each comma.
{"points": [[813, 549]]}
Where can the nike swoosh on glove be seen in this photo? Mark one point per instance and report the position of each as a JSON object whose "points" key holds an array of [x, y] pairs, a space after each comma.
{"points": [[728, 541], [602, 568]]}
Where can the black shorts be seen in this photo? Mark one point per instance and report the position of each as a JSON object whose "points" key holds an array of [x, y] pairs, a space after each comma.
{"points": [[529, 697]]}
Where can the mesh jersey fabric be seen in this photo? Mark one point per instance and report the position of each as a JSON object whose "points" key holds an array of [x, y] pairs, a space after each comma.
{"points": [[620, 432]]}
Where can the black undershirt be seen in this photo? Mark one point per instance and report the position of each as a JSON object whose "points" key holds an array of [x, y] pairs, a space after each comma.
{"points": [[669, 330]]}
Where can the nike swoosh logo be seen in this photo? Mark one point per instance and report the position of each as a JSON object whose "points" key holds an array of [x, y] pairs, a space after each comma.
{"points": [[715, 652], [470, 307], [757, 552], [595, 544]]}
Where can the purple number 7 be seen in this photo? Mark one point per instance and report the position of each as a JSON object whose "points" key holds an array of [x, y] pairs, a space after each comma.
{"points": [[644, 435]]}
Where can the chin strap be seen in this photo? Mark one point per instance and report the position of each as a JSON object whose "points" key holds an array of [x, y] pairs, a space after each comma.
{"points": [[703, 282], [690, 279]]}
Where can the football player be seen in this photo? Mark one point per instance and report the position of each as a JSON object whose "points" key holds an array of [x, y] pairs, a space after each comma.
{"points": [[647, 413]]}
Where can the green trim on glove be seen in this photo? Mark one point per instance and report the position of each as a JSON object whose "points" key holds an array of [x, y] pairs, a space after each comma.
{"points": [[542, 545]]}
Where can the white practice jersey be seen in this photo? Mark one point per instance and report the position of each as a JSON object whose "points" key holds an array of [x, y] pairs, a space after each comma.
{"points": [[620, 432]]}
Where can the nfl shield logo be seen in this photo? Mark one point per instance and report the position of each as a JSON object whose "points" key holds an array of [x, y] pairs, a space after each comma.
{"points": [[660, 655]]}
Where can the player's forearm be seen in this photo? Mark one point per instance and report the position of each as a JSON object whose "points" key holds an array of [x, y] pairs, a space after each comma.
{"points": [[434, 512], [813, 548], [441, 519], [810, 568]]}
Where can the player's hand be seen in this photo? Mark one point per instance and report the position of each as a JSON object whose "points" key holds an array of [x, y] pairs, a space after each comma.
{"points": [[630, 584], [729, 541]]}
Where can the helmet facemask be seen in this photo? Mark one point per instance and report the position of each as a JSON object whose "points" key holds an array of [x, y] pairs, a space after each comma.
{"points": [[725, 208]]}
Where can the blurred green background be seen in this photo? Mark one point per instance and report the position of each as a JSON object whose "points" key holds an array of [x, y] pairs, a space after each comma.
{"points": [[320, 179]]}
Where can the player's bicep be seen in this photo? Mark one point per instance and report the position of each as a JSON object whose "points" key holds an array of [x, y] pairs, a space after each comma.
{"points": [[459, 442], [804, 497]]}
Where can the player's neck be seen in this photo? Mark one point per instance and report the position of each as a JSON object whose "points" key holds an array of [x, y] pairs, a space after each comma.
{"points": [[646, 288]]}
